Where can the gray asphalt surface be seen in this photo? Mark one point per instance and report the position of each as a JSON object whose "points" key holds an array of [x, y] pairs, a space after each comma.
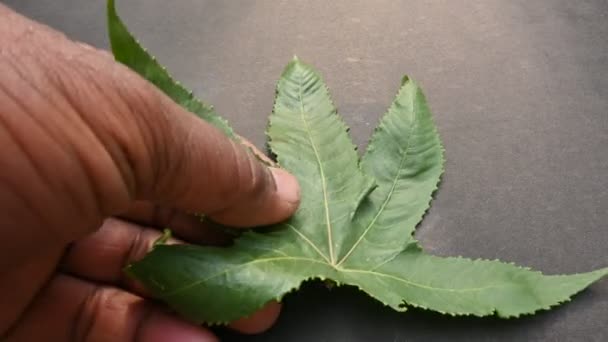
{"points": [[519, 90]]}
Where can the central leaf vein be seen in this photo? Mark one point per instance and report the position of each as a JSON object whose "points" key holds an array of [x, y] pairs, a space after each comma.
{"points": [[423, 286], [321, 171], [234, 268]]}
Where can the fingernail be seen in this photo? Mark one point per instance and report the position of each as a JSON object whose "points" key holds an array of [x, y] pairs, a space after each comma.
{"points": [[287, 185]]}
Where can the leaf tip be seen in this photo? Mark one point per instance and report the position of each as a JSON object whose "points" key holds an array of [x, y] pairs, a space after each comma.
{"points": [[111, 10], [295, 61]]}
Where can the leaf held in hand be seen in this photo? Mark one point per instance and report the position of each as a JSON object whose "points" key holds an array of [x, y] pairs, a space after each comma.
{"points": [[355, 223]]}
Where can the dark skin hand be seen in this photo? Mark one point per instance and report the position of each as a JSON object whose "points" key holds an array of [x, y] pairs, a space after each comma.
{"points": [[93, 160]]}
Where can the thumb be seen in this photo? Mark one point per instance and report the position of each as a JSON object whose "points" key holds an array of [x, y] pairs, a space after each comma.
{"points": [[199, 169], [189, 164], [86, 137]]}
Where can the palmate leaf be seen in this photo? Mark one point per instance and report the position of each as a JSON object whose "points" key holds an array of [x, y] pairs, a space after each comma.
{"points": [[355, 222]]}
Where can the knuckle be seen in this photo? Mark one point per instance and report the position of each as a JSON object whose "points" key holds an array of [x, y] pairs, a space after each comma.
{"points": [[254, 178], [140, 245], [170, 160], [102, 308], [121, 111], [87, 314]]}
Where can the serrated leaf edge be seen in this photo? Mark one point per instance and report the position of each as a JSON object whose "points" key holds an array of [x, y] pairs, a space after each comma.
{"points": [[111, 10], [370, 147]]}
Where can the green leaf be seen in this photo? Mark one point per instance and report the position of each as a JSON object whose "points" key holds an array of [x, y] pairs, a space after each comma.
{"points": [[310, 140], [348, 229], [405, 157], [129, 52], [218, 285], [355, 222], [459, 286]]}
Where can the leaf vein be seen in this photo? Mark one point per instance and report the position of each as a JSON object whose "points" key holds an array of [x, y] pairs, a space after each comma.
{"points": [[321, 171], [231, 269], [305, 238], [389, 195], [423, 286]]}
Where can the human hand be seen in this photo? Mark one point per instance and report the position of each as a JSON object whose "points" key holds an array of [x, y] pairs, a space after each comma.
{"points": [[86, 143]]}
